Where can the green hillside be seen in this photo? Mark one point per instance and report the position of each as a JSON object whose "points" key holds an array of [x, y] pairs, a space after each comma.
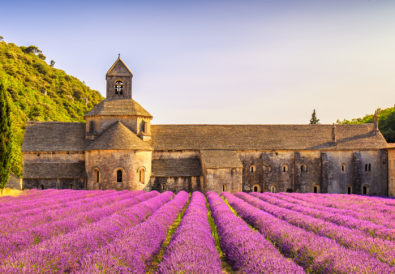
{"points": [[39, 92], [386, 122]]}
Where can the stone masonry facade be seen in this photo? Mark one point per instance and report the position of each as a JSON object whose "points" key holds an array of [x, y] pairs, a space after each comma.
{"points": [[119, 148]]}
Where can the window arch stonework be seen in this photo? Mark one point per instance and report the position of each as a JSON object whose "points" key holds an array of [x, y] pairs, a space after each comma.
{"points": [[141, 174], [256, 188]]}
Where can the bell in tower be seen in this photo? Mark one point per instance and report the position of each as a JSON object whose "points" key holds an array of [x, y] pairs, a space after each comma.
{"points": [[119, 81]]}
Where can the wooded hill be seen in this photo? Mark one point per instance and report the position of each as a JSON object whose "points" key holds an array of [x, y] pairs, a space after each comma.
{"points": [[39, 92]]}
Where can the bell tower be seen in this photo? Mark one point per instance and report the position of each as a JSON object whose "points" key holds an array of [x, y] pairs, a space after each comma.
{"points": [[119, 81]]}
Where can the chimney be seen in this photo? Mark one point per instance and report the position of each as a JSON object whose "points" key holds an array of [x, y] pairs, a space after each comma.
{"points": [[334, 133], [376, 121]]}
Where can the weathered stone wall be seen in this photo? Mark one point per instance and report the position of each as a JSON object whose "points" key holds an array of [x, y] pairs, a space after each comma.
{"points": [[127, 86], [334, 178], [107, 162], [175, 184], [174, 154], [391, 172], [14, 182], [255, 176], [54, 183], [223, 179], [278, 171]]}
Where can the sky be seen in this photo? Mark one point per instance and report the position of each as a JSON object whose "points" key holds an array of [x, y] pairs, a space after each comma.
{"points": [[223, 62]]}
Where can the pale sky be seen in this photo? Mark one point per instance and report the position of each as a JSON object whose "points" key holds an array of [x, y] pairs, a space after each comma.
{"points": [[223, 62]]}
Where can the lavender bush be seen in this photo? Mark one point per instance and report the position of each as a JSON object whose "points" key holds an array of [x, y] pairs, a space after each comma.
{"points": [[192, 247], [315, 253], [246, 250]]}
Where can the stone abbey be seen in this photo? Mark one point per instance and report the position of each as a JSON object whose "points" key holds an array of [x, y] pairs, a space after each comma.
{"points": [[119, 148]]}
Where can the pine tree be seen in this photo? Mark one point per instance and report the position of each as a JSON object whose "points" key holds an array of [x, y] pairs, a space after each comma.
{"points": [[5, 137], [314, 120]]}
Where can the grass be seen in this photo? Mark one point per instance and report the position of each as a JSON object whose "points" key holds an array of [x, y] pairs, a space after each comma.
{"points": [[10, 192], [224, 264], [158, 258]]}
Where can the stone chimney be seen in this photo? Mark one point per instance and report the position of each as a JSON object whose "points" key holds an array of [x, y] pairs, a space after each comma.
{"points": [[376, 121], [334, 133]]}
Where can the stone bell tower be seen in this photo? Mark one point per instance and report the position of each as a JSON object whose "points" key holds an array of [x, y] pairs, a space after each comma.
{"points": [[119, 81]]}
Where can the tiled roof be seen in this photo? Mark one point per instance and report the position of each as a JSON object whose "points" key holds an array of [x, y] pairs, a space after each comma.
{"points": [[119, 107], [265, 137], [220, 159], [176, 167], [54, 136], [54, 170], [118, 137]]}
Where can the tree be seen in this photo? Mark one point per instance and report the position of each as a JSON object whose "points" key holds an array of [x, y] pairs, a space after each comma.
{"points": [[314, 120], [52, 63], [41, 56], [1, 38], [5, 137], [31, 49]]}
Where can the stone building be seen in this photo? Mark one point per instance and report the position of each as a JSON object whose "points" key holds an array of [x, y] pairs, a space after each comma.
{"points": [[119, 148]]}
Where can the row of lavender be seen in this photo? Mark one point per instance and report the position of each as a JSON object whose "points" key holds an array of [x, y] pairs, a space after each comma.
{"points": [[122, 232]]}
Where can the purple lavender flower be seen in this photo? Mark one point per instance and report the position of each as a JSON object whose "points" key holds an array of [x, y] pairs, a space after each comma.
{"points": [[192, 247], [246, 250]]}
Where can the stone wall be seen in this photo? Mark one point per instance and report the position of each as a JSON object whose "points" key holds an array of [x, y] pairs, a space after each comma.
{"points": [[391, 172], [108, 162], [14, 182], [223, 179], [54, 183], [175, 184]]}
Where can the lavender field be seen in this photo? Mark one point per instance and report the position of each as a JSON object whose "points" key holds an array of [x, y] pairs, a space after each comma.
{"points": [[68, 231]]}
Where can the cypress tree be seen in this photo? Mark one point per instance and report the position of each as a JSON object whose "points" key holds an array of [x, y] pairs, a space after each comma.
{"points": [[314, 120], [5, 137]]}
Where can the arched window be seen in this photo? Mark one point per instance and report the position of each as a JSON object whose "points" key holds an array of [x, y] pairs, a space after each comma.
{"points": [[284, 168], [349, 189], [91, 127], [96, 174], [273, 189], [141, 172], [142, 126], [163, 186], [223, 187], [256, 188], [316, 189], [252, 168], [232, 171], [118, 87], [119, 176], [344, 167], [365, 189], [303, 168], [368, 167]]}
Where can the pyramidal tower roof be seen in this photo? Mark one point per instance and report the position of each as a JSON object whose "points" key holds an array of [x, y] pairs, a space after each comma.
{"points": [[119, 107], [119, 68], [118, 137]]}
